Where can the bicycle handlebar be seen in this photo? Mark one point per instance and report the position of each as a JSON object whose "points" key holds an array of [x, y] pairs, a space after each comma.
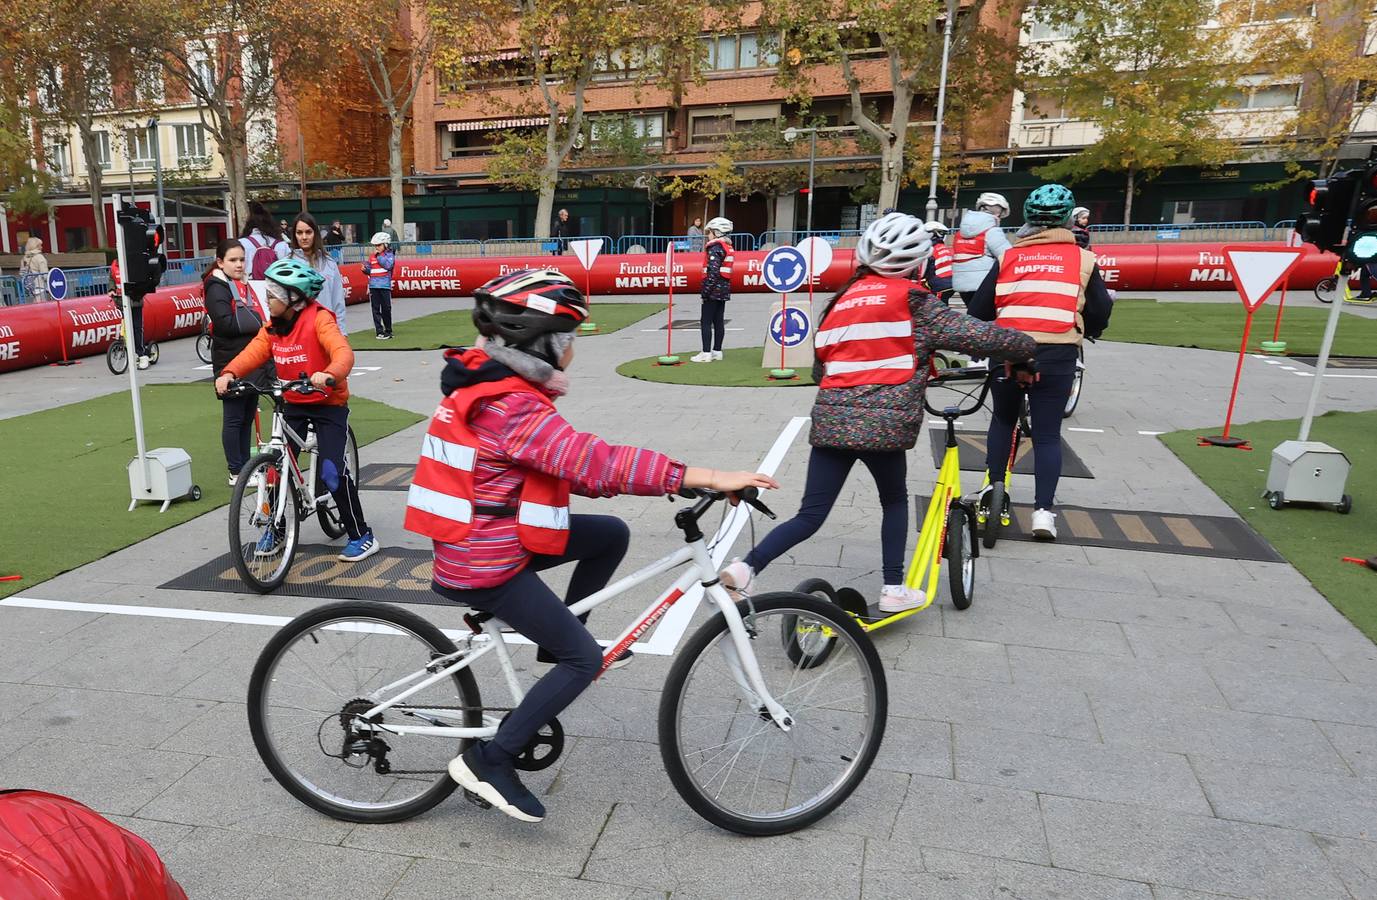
{"points": [[968, 373], [706, 497], [300, 385]]}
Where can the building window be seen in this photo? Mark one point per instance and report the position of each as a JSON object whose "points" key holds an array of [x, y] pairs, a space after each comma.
{"points": [[714, 126], [148, 83], [710, 129], [191, 145], [49, 88], [1267, 96], [731, 52], [138, 144], [618, 65], [649, 127], [57, 156], [201, 65], [1043, 106], [103, 157]]}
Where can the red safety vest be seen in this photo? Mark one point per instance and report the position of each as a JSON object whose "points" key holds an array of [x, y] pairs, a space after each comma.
{"points": [[1039, 288], [301, 351], [964, 249], [726, 269], [867, 335], [942, 259], [373, 269], [440, 503]]}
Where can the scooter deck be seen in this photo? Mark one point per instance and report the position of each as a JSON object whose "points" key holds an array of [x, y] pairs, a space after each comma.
{"points": [[869, 614]]}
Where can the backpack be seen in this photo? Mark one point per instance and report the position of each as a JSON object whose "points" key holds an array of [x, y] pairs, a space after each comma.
{"points": [[263, 257]]}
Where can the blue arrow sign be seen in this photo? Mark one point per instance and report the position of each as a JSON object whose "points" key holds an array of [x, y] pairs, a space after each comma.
{"points": [[57, 284], [785, 270], [799, 326]]}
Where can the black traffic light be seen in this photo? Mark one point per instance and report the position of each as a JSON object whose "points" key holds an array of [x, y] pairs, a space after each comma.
{"points": [[1330, 208], [1362, 236], [143, 249]]}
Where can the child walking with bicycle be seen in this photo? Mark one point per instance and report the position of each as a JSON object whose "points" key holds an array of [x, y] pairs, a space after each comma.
{"points": [[303, 338], [492, 487], [874, 343]]}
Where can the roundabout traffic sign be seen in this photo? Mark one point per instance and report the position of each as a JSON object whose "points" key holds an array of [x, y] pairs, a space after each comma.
{"points": [[799, 326], [785, 269]]}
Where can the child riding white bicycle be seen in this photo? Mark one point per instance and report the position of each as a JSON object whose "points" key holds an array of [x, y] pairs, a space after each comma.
{"points": [[491, 490], [302, 337]]}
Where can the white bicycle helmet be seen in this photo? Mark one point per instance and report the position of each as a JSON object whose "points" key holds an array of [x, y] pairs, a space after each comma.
{"points": [[990, 199], [895, 246], [719, 224], [936, 228], [1078, 212]]}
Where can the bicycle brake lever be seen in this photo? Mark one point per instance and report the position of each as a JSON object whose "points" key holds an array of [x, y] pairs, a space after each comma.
{"points": [[762, 508]]}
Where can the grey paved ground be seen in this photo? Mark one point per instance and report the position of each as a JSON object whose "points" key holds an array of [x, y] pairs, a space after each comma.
{"points": [[1100, 724]]}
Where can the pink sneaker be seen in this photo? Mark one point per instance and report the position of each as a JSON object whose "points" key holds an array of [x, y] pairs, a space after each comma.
{"points": [[738, 578]]}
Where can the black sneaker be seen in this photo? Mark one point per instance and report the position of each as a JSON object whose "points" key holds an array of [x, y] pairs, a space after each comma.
{"points": [[624, 658], [496, 784]]}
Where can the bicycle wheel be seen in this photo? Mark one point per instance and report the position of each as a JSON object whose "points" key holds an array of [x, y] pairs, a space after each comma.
{"points": [[994, 521], [960, 557], [1076, 383], [153, 353], [1327, 289], [314, 680], [203, 346], [262, 549], [806, 644], [117, 357], [327, 511], [728, 759]]}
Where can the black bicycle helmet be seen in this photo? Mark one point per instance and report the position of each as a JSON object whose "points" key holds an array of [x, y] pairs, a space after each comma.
{"points": [[522, 306]]}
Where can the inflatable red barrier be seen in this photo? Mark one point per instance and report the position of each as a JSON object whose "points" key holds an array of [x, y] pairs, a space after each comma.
{"points": [[34, 335]]}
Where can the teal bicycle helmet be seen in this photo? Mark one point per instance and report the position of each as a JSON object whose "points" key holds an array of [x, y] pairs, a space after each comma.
{"points": [[1049, 205], [296, 276]]}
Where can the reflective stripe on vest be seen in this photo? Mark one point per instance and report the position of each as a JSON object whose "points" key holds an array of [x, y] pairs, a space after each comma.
{"points": [[867, 335], [301, 351], [440, 502], [725, 270], [1039, 288], [965, 249]]}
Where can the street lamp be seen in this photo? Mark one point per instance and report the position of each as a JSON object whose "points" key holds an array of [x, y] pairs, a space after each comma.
{"points": [[941, 109], [791, 134]]}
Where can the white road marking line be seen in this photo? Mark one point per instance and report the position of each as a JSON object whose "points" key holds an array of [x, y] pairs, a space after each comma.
{"points": [[1088, 430], [364, 370], [199, 368], [1333, 375], [1151, 433], [676, 622], [1289, 368]]}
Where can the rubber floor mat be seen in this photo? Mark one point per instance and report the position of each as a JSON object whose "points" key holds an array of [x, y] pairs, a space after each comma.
{"points": [[971, 446]]}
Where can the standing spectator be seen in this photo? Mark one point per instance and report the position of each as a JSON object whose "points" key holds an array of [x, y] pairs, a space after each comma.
{"points": [[379, 268], [717, 289], [263, 242], [979, 244], [1080, 226], [234, 321], [308, 246], [564, 229], [335, 236], [695, 233], [33, 270], [392, 238], [1051, 290]]}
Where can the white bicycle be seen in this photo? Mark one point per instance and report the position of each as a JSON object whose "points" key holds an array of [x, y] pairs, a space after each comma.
{"points": [[356, 708]]}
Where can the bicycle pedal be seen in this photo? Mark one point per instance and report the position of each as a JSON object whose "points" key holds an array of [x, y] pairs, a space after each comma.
{"points": [[476, 800]]}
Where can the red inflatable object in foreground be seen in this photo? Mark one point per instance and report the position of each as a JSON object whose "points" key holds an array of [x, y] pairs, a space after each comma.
{"points": [[53, 848], [34, 335]]}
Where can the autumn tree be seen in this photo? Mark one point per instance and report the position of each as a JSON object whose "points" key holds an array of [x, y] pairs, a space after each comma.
{"points": [[236, 60], [1327, 50], [874, 44], [1149, 76], [67, 52]]}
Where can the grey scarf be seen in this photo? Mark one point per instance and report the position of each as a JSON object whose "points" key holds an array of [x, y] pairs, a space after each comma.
{"points": [[527, 364]]}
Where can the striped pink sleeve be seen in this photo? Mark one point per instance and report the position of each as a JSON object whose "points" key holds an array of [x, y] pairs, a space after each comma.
{"points": [[537, 437]]}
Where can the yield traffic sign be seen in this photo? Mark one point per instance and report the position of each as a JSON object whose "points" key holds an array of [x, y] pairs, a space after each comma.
{"points": [[1258, 270]]}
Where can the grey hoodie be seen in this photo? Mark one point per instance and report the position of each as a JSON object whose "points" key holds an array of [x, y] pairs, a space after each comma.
{"points": [[967, 276]]}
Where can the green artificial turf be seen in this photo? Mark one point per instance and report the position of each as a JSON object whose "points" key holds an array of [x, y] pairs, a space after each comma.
{"points": [[737, 368], [454, 327], [1312, 538], [1219, 326], [64, 481]]}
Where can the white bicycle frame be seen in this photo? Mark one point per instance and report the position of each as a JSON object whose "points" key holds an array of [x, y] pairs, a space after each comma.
{"points": [[277, 441], [744, 666]]}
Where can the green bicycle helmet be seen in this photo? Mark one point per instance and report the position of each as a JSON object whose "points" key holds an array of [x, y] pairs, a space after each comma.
{"points": [[296, 276], [1049, 205]]}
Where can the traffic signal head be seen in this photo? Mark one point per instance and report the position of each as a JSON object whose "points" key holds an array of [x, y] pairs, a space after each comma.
{"points": [[1362, 236], [1330, 202], [143, 249]]}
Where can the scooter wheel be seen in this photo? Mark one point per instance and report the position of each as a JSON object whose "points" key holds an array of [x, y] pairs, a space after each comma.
{"points": [[808, 645]]}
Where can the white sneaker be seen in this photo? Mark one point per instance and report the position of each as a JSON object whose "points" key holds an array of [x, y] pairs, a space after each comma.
{"points": [[705, 356], [716, 355], [1044, 525], [233, 480], [895, 598], [143, 362], [738, 578]]}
